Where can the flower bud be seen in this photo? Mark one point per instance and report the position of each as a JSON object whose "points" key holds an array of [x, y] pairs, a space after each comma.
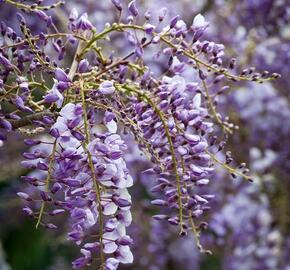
{"points": [[60, 75], [24, 196], [117, 4], [174, 21], [107, 88], [83, 66], [159, 202], [133, 9]]}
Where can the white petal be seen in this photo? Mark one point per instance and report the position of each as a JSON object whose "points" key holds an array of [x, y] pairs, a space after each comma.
{"points": [[110, 209], [166, 80], [179, 82], [181, 25], [60, 125], [59, 102], [114, 138], [126, 255], [55, 91], [197, 100], [91, 219], [122, 183], [129, 181], [86, 253], [108, 183], [124, 194], [127, 218], [199, 21], [121, 230], [68, 111], [112, 264], [112, 223], [110, 171], [71, 144], [110, 247], [112, 126], [175, 62], [114, 235]]}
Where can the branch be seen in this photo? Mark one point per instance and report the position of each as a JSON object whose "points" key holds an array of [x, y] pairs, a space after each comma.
{"points": [[28, 120]]}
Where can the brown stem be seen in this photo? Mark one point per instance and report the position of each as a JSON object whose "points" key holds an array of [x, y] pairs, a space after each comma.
{"points": [[28, 120]]}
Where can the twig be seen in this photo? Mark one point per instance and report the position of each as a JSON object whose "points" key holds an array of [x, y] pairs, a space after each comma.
{"points": [[28, 120]]}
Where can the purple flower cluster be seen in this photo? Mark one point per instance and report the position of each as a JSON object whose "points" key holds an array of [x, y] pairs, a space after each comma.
{"points": [[113, 87], [247, 222], [183, 162], [73, 173]]}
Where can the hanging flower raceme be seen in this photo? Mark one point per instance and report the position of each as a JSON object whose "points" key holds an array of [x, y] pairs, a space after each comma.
{"points": [[175, 129], [89, 180]]}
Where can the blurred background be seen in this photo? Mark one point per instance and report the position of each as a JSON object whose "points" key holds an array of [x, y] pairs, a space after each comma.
{"points": [[249, 223]]}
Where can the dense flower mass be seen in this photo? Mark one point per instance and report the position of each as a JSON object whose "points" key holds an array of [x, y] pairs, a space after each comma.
{"points": [[75, 168], [126, 111]]}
